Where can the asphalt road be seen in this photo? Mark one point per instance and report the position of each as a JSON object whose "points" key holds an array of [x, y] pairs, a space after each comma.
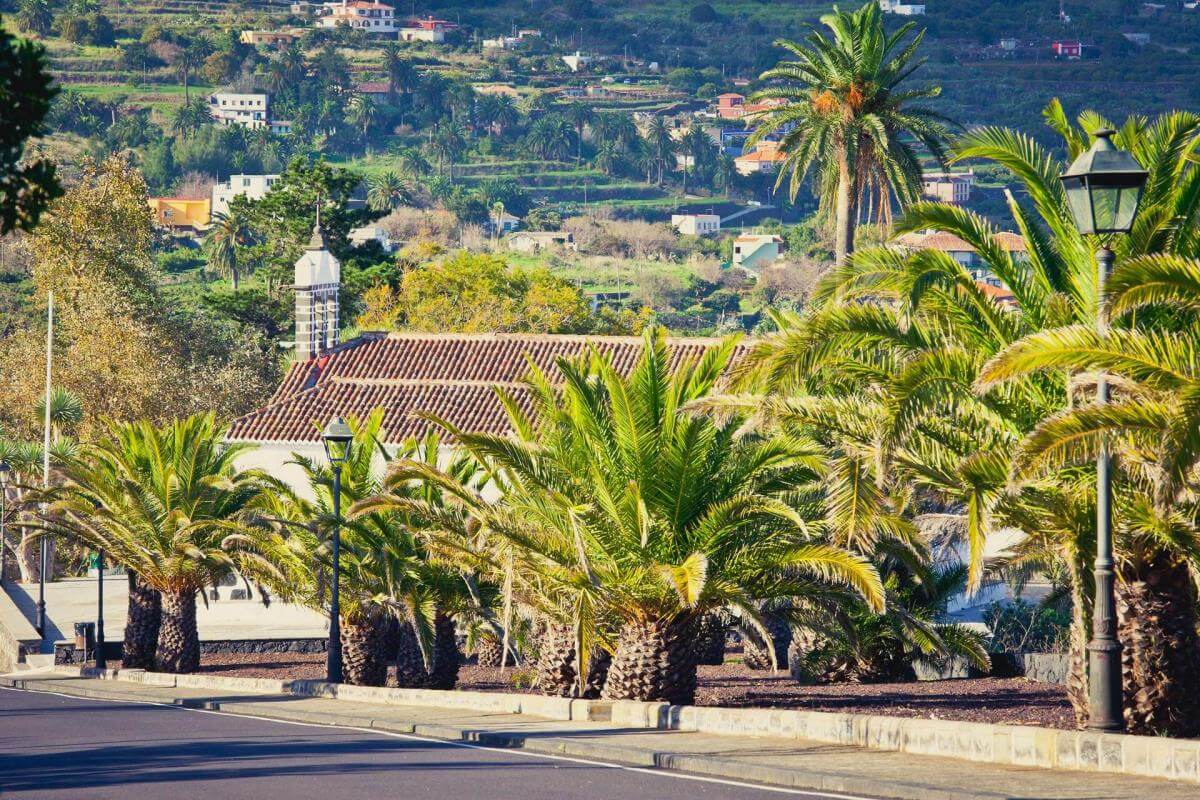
{"points": [[69, 748]]}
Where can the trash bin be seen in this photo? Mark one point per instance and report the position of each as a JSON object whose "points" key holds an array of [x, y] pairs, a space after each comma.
{"points": [[85, 637]]}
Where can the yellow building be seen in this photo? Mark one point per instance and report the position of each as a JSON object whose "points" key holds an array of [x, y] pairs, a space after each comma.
{"points": [[179, 213], [270, 38]]}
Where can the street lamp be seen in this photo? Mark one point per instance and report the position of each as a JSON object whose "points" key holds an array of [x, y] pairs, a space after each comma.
{"points": [[1104, 187], [101, 661], [4, 470], [337, 437]]}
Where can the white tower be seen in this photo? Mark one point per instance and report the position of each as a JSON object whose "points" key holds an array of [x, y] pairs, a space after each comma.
{"points": [[318, 275]]}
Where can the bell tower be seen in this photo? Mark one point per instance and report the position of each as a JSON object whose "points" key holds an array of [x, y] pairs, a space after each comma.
{"points": [[318, 276]]}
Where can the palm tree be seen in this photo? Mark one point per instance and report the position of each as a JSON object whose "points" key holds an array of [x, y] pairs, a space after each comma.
{"points": [[362, 113], [1152, 429], [660, 144], [447, 143], [400, 72], [168, 504], [411, 163], [697, 151], [845, 114], [617, 128], [580, 116], [726, 174], [35, 16], [609, 157], [398, 596], [913, 332], [551, 137], [189, 117], [386, 191], [287, 70], [633, 517], [229, 233]]}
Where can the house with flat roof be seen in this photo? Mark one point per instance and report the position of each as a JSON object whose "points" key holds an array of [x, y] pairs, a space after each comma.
{"points": [[696, 224], [426, 30], [253, 187], [270, 38], [181, 214]]}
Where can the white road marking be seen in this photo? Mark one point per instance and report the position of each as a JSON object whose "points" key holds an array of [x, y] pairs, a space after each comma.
{"points": [[662, 773]]}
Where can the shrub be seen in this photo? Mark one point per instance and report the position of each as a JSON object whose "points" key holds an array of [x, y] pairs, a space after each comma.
{"points": [[1022, 627]]}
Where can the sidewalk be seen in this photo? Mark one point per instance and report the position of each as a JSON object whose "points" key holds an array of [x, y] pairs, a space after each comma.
{"points": [[795, 763]]}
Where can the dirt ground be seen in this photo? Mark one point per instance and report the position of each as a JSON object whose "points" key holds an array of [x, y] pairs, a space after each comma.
{"points": [[996, 700]]}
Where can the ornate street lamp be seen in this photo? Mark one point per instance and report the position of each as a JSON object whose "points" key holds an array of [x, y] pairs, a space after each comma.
{"points": [[4, 470], [101, 661], [1104, 187], [337, 437]]}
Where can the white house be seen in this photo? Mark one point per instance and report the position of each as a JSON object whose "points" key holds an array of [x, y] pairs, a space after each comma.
{"points": [[577, 61], [948, 187], [250, 110], [503, 222], [426, 30], [754, 251], [371, 17], [253, 187], [371, 233], [903, 8], [696, 224]]}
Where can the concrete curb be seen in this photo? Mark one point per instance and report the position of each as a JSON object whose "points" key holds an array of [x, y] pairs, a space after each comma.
{"points": [[1012, 745]]}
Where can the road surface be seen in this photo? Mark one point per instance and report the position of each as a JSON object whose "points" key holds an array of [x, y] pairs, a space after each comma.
{"points": [[68, 748]]}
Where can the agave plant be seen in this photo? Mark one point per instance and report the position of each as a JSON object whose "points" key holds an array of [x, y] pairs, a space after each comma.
{"points": [[639, 516], [168, 504]]}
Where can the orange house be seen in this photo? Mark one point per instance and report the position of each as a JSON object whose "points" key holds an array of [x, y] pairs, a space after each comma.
{"points": [[179, 213]]}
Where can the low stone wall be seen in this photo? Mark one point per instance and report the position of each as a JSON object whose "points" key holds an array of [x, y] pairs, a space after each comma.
{"points": [[1017, 745], [17, 635]]}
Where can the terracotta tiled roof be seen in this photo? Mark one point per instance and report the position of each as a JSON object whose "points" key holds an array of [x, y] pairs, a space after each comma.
{"points": [[452, 376], [949, 243]]}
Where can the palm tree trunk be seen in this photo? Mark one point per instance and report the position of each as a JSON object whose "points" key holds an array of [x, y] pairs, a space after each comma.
{"points": [[364, 644], [1081, 626], [236, 279], [556, 660], [488, 651], [757, 653], [844, 213], [1156, 612], [142, 622], [655, 660], [446, 656], [178, 637], [710, 640], [410, 666]]}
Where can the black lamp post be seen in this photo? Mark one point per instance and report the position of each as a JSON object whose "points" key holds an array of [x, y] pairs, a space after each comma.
{"points": [[1104, 187], [4, 470], [101, 661], [337, 437]]}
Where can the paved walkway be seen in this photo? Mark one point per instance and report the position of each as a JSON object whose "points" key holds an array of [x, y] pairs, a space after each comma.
{"points": [[799, 764]]}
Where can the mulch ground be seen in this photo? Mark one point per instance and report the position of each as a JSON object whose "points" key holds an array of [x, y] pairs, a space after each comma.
{"points": [[996, 700]]}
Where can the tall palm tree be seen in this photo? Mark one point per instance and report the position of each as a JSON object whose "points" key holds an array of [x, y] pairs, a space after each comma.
{"points": [[385, 191], [223, 244], [411, 163], [846, 114], [189, 117], [915, 331], [168, 504], [447, 144], [660, 143], [697, 151], [637, 516], [580, 115], [35, 16], [362, 113], [400, 72], [551, 137], [1152, 427]]}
